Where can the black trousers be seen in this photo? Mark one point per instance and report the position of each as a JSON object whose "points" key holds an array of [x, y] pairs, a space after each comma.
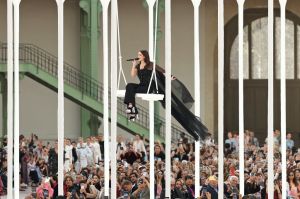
{"points": [[34, 176], [131, 90]]}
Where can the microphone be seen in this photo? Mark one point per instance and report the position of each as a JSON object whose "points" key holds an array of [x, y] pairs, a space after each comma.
{"points": [[132, 59]]}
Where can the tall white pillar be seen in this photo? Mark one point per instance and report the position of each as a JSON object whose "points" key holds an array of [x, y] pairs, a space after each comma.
{"points": [[283, 96], [241, 93], [105, 4], [16, 4], [197, 77], [60, 96], [221, 97], [270, 100], [168, 67], [114, 66], [9, 98]]}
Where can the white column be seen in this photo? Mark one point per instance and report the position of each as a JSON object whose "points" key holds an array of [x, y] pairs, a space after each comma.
{"points": [[9, 99], [16, 98], [241, 93], [168, 67], [151, 143], [114, 65], [151, 103], [197, 76], [151, 28], [283, 96], [270, 100], [221, 98], [105, 4], [60, 96]]}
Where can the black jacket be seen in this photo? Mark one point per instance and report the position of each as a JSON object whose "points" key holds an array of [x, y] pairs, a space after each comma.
{"points": [[251, 188], [176, 193], [212, 191]]}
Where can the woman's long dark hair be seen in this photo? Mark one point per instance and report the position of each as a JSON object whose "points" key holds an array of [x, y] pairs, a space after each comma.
{"points": [[147, 58]]}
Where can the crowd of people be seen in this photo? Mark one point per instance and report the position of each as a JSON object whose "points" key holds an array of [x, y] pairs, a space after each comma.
{"points": [[84, 168]]}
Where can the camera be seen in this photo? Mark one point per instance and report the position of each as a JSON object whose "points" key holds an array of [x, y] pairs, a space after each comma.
{"points": [[204, 191], [45, 193], [73, 193], [125, 195], [140, 181]]}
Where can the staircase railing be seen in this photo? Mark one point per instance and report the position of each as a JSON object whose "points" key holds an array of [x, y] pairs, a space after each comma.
{"points": [[43, 60]]}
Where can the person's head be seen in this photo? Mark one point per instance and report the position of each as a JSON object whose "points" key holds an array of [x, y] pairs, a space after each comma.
{"points": [[178, 184], [68, 181], [80, 140], [93, 139], [100, 137], [133, 177], [88, 140], [137, 137], [297, 174], [188, 180], [142, 183], [126, 185], [289, 136], [291, 176], [74, 144], [233, 181], [143, 55], [157, 149], [213, 181], [130, 147], [100, 172], [229, 135], [119, 138], [96, 179]]}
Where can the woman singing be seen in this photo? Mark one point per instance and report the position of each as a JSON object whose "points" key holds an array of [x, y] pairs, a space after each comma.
{"points": [[181, 101], [143, 69]]}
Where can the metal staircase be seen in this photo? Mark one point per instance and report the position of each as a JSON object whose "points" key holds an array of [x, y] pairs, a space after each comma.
{"points": [[41, 66]]}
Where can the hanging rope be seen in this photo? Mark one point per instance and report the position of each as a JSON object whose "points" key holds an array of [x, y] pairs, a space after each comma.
{"points": [[120, 54], [154, 53]]}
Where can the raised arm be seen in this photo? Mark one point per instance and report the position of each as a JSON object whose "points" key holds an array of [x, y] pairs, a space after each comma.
{"points": [[133, 69]]}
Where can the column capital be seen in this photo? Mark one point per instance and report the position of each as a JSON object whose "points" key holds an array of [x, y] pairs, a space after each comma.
{"points": [[196, 3], [282, 2]]}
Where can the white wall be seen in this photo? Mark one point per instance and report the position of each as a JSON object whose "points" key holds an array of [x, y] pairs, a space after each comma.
{"points": [[38, 111]]}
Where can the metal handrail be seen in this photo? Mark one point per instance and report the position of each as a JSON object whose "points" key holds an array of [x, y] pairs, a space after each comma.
{"points": [[32, 54]]}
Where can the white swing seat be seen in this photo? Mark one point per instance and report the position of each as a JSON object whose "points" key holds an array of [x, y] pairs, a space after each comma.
{"points": [[143, 96]]}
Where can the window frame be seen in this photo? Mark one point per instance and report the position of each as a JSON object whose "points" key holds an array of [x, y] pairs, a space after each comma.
{"points": [[250, 15]]}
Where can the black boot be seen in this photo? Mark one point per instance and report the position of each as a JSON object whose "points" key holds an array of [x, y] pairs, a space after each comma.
{"points": [[133, 115]]}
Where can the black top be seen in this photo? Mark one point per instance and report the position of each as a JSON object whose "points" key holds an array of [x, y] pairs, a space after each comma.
{"points": [[144, 74]]}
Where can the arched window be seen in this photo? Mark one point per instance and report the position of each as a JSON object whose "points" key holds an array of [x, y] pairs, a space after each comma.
{"points": [[256, 72], [256, 50]]}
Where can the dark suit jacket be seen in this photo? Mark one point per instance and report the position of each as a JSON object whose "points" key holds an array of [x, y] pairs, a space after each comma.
{"points": [[212, 191], [176, 193]]}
